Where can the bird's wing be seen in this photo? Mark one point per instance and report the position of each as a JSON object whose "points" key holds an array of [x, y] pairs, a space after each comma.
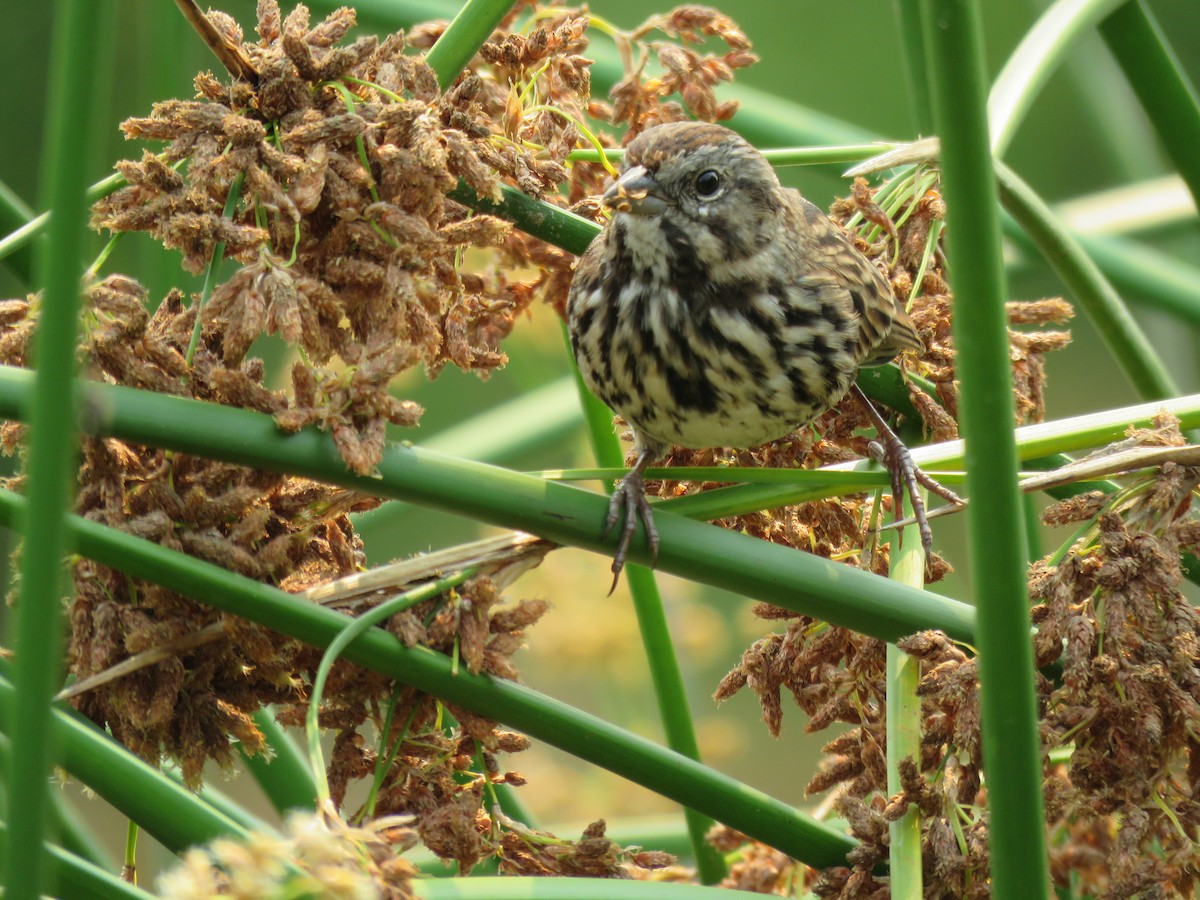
{"points": [[885, 329]]}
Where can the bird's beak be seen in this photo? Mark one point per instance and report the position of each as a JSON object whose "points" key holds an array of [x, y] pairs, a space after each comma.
{"points": [[635, 192]]}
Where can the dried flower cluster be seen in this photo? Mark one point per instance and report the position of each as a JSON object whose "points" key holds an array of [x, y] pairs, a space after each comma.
{"points": [[1118, 726], [1124, 806], [316, 856], [283, 530], [341, 157]]}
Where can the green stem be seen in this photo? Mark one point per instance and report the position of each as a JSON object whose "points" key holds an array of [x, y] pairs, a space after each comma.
{"points": [[74, 876], [1119, 330], [281, 772], [50, 461], [214, 263], [550, 223], [815, 586], [1011, 748], [38, 225], [578, 733], [904, 730], [338, 645], [1161, 84], [461, 40], [14, 213], [131, 842]]}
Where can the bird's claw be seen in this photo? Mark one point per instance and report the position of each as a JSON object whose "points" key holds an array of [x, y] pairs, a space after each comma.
{"points": [[627, 505], [907, 478]]}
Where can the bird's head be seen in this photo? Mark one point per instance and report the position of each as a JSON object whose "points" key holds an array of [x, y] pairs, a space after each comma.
{"points": [[704, 181]]}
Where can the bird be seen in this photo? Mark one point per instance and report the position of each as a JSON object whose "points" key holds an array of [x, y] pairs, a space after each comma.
{"points": [[718, 308]]}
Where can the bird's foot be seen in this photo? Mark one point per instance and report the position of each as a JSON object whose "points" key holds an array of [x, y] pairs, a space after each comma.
{"points": [[908, 478], [627, 505]]}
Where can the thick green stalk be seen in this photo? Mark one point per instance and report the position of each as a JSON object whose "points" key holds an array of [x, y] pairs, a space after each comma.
{"points": [[1119, 330], [996, 538], [578, 733], [550, 223], [75, 876], [283, 776], [50, 462], [558, 512], [904, 722], [461, 40], [1161, 84], [163, 808]]}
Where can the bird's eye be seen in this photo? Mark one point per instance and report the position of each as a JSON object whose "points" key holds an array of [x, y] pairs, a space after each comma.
{"points": [[708, 183]]}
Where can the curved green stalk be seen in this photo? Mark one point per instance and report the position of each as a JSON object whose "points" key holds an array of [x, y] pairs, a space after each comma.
{"points": [[50, 462], [1119, 330], [1035, 59], [74, 876], [1160, 82], [344, 638], [281, 771], [14, 213], [1011, 747], [583, 735], [1143, 272], [161, 806], [35, 227]]}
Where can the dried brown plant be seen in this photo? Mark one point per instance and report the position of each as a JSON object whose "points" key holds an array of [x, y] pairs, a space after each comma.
{"points": [[322, 169], [1119, 724]]}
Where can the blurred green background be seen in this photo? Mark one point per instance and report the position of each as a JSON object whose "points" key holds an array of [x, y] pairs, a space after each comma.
{"points": [[1084, 134]]}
